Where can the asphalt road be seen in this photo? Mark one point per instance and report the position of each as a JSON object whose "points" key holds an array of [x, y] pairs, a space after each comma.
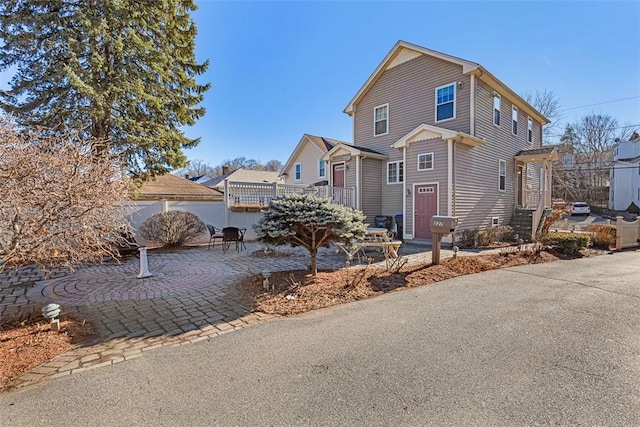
{"points": [[555, 343]]}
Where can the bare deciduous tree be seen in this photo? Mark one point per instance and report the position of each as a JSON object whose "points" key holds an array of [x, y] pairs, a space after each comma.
{"points": [[59, 199], [172, 228], [196, 168], [547, 103], [273, 165]]}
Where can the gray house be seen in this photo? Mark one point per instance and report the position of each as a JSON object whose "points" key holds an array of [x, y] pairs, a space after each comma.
{"points": [[439, 135]]}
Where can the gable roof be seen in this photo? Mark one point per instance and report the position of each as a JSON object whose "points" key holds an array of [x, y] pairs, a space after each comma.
{"points": [[173, 187], [320, 142], [425, 132], [538, 154], [403, 51], [354, 151], [243, 175]]}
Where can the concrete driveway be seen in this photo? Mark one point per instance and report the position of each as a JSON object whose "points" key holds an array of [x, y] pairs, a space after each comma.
{"points": [[551, 343]]}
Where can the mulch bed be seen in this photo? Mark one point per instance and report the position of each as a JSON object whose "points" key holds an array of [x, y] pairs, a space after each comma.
{"points": [[298, 291]]}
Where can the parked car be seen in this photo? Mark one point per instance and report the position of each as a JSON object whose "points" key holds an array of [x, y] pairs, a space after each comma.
{"points": [[579, 208], [558, 203]]}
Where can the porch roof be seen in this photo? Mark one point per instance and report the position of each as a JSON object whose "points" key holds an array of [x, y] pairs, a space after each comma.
{"points": [[538, 155], [425, 132], [353, 151]]}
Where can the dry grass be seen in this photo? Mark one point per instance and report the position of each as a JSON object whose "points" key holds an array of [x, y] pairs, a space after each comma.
{"points": [[346, 285], [27, 341]]}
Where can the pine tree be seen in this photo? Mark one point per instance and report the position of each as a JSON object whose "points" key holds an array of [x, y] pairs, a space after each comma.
{"points": [[123, 70]]}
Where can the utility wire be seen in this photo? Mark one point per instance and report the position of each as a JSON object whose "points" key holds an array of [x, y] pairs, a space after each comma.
{"points": [[600, 103]]}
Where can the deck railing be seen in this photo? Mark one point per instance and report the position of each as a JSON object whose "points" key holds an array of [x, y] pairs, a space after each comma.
{"points": [[252, 194]]}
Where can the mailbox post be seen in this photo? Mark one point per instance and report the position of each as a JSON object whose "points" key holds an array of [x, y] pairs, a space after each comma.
{"points": [[440, 226]]}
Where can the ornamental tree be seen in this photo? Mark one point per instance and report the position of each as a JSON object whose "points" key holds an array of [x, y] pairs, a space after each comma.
{"points": [[123, 71], [60, 199], [309, 221]]}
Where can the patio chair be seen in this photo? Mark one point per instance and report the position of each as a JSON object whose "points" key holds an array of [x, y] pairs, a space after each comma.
{"points": [[214, 233], [232, 234]]}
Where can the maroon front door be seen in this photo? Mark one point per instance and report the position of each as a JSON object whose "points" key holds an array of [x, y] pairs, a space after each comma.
{"points": [[338, 175], [426, 206]]}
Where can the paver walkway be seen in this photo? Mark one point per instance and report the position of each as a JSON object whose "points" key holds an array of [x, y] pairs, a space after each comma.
{"points": [[192, 296]]}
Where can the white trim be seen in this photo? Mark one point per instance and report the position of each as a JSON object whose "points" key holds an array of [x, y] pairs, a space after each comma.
{"points": [[387, 172], [432, 161], [426, 132], [472, 106], [455, 95], [404, 199], [358, 196], [325, 168], [495, 221], [500, 162], [529, 125], [449, 177], [514, 108], [295, 165], [495, 95], [374, 119]]}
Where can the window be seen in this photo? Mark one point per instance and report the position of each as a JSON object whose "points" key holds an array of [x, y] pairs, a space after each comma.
{"points": [[495, 221], [425, 162], [395, 172], [446, 102], [502, 172], [514, 120], [322, 168], [529, 129], [298, 172], [381, 120], [496, 109]]}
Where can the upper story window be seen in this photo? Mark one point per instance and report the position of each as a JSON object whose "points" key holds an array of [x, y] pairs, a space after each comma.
{"points": [[502, 175], [496, 109], [425, 162], [514, 120], [381, 120], [297, 174], [529, 129], [322, 168], [395, 172], [446, 102]]}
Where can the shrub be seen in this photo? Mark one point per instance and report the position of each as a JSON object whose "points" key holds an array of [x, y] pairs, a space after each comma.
{"points": [[567, 243], [603, 237], [172, 228], [309, 221], [486, 236], [465, 238], [549, 220]]}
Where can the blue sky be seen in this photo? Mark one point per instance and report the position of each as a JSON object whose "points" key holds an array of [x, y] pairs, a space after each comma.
{"points": [[282, 69]]}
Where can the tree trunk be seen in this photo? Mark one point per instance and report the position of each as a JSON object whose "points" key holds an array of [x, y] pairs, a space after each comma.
{"points": [[314, 263]]}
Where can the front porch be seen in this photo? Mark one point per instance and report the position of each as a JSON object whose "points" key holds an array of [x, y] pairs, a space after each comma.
{"points": [[533, 171]]}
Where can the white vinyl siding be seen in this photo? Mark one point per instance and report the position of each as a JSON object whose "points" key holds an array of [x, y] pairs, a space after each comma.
{"points": [[502, 175], [381, 120], [514, 120], [496, 109], [395, 172], [446, 102], [425, 162]]}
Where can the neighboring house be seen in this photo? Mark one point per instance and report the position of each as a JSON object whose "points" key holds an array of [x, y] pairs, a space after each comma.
{"points": [[625, 175], [198, 179], [305, 165], [173, 188], [438, 135], [242, 175]]}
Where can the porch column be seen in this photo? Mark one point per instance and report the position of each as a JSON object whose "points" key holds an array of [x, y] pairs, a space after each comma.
{"points": [[357, 195], [548, 184]]}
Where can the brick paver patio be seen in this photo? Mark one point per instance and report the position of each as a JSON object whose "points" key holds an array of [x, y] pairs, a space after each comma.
{"points": [[192, 296]]}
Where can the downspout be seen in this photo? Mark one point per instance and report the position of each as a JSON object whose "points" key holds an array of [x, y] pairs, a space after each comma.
{"points": [[358, 160], [472, 106], [449, 177], [404, 193]]}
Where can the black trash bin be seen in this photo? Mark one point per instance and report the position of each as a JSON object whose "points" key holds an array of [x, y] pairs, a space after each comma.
{"points": [[399, 229], [382, 221]]}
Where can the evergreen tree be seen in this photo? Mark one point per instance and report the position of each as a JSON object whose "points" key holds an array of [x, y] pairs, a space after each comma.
{"points": [[121, 70]]}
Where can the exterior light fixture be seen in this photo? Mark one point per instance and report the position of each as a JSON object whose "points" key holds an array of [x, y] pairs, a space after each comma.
{"points": [[51, 312]]}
